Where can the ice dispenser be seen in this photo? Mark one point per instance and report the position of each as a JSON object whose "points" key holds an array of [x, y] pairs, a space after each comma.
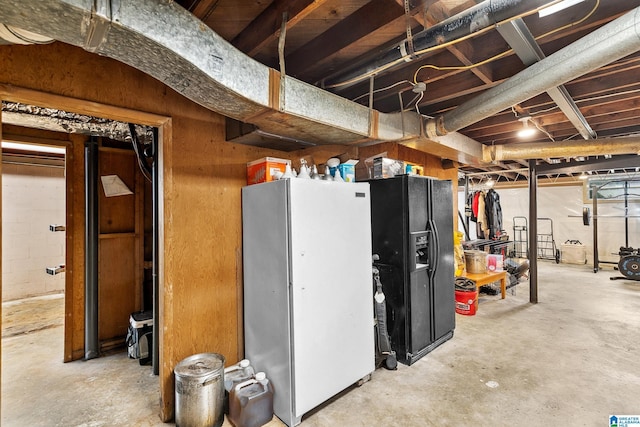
{"points": [[420, 249]]}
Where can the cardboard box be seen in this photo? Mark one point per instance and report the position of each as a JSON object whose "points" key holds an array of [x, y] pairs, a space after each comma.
{"points": [[262, 170], [573, 253], [387, 168], [348, 170], [413, 169]]}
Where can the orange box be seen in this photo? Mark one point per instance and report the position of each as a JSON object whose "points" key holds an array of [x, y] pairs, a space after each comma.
{"points": [[262, 170]]}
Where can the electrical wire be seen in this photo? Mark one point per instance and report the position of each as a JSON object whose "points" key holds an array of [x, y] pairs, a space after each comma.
{"points": [[462, 67], [543, 130], [540, 128], [144, 167], [412, 101], [580, 21], [418, 102], [433, 48], [500, 55], [383, 89]]}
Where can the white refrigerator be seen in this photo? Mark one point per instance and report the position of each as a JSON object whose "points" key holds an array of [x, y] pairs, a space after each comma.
{"points": [[308, 294]]}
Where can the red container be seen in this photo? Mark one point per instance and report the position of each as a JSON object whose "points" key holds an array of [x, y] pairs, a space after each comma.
{"points": [[466, 302]]}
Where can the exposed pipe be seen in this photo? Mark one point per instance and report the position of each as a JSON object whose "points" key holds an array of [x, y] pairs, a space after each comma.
{"points": [[615, 40], [517, 34], [91, 345], [476, 18], [543, 150], [199, 64]]}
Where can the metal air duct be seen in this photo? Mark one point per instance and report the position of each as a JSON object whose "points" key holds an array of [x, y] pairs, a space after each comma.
{"points": [[607, 44], [543, 150], [202, 66]]}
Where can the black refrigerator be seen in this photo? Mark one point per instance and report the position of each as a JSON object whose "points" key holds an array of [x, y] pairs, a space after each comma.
{"points": [[412, 233]]}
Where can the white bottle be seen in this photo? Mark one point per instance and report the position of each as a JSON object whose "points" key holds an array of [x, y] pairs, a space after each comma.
{"points": [[287, 172], [327, 174], [314, 173], [337, 177], [304, 172]]}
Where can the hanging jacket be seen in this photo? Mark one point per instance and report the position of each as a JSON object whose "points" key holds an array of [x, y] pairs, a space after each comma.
{"points": [[474, 206], [493, 213], [468, 208], [483, 226]]}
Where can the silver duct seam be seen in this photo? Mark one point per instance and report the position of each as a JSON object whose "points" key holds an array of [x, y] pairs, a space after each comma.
{"points": [[615, 40]]}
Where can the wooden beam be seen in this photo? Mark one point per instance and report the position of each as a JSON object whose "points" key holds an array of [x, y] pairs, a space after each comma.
{"points": [[203, 8], [354, 27], [266, 27], [80, 106]]}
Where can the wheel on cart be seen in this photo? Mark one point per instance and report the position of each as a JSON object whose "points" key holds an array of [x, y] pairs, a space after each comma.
{"points": [[557, 256]]}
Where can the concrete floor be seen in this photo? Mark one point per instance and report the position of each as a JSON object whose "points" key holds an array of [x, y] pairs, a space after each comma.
{"points": [[572, 359]]}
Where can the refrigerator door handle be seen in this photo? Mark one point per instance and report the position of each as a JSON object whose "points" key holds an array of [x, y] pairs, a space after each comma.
{"points": [[436, 246]]}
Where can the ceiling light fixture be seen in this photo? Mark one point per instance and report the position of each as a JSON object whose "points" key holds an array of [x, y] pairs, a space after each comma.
{"points": [[583, 176], [557, 7], [526, 130], [33, 147]]}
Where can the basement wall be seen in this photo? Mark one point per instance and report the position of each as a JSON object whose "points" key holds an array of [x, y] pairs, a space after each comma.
{"points": [[563, 205], [33, 197]]}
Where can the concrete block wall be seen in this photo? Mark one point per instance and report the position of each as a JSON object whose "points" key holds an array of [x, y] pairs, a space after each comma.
{"points": [[33, 197]]}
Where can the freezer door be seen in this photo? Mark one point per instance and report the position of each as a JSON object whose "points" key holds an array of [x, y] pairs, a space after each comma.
{"points": [[443, 282], [266, 287], [331, 289], [419, 313]]}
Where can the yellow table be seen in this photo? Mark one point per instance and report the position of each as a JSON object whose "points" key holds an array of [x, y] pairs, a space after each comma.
{"points": [[482, 279]]}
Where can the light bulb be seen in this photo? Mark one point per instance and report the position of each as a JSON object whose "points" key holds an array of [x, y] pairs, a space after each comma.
{"points": [[526, 130]]}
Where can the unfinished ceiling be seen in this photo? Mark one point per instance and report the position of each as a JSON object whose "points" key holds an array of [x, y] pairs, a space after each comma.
{"points": [[329, 42], [425, 58]]}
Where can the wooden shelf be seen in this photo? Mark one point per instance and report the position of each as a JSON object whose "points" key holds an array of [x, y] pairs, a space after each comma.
{"points": [[116, 235]]}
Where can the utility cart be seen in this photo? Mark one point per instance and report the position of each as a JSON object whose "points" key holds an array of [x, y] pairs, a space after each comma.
{"points": [[546, 243], [520, 237]]}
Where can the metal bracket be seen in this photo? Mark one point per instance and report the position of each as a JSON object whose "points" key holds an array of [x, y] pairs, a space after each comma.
{"points": [[55, 270], [99, 25]]}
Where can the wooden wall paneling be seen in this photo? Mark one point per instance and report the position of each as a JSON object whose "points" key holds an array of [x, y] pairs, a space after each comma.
{"points": [[74, 293], [391, 148], [138, 279], [319, 154], [71, 263], [116, 287], [165, 322], [119, 247], [117, 214], [202, 183]]}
